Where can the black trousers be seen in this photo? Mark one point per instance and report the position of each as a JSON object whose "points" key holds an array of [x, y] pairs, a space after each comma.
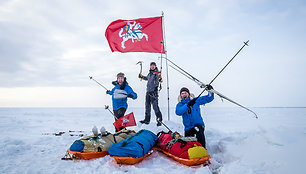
{"points": [[197, 130], [152, 98], [118, 114]]}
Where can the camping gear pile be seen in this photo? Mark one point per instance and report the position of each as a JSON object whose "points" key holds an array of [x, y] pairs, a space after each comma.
{"points": [[95, 146], [185, 150], [128, 147]]}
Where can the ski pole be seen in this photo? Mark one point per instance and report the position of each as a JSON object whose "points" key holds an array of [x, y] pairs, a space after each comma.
{"points": [[192, 77], [216, 92], [90, 77], [161, 63], [189, 76], [245, 43], [226, 98], [185, 73], [107, 107], [164, 125]]}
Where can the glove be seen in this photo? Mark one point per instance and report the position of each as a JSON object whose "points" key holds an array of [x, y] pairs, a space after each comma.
{"points": [[107, 91], [192, 102], [209, 87], [160, 80], [140, 76], [130, 96]]}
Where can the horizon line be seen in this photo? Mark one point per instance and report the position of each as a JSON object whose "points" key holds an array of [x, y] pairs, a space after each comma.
{"points": [[59, 107]]}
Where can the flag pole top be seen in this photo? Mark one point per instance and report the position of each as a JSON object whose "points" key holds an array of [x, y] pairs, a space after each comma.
{"points": [[162, 13]]}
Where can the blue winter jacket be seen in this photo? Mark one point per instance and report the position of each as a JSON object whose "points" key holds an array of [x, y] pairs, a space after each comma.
{"points": [[193, 117], [121, 103]]}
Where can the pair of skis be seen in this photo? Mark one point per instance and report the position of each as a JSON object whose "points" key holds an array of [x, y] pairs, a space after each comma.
{"points": [[71, 133], [202, 85]]}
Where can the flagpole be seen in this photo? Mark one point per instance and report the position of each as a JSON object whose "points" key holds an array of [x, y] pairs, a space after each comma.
{"points": [[164, 41], [161, 62]]}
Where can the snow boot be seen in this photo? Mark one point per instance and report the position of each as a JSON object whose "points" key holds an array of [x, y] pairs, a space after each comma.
{"points": [[144, 122]]}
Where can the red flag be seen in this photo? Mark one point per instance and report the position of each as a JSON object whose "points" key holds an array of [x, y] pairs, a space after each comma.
{"points": [[137, 35], [125, 121]]}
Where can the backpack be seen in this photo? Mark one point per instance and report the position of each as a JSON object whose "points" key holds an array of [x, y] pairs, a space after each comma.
{"points": [[182, 147], [163, 139], [134, 146]]}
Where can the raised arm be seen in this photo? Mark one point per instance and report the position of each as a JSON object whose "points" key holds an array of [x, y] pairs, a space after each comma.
{"points": [[181, 109]]}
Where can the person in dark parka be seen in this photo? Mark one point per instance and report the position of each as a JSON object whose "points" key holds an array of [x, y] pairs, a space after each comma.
{"points": [[153, 78]]}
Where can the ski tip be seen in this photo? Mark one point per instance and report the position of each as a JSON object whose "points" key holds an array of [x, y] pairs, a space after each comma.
{"points": [[256, 116], [90, 77], [246, 43]]}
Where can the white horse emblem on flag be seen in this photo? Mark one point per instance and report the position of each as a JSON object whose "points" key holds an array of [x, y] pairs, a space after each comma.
{"points": [[125, 120], [131, 31]]}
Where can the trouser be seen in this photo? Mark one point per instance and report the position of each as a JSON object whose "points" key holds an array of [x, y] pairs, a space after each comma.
{"points": [[118, 114], [152, 98], [197, 130]]}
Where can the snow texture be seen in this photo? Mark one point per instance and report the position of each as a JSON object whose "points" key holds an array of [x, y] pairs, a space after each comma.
{"points": [[237, 142]]}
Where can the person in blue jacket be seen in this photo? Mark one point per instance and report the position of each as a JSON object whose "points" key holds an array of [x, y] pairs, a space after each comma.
{"points": [[119, 94], [189, 109]]}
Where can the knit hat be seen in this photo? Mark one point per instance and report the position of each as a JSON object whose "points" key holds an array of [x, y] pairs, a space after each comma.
{"points": [[152, 63], [185, 89], [120, 74]]}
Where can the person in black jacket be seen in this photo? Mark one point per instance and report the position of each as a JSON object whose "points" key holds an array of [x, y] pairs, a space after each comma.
{"points": [[153, 78]]}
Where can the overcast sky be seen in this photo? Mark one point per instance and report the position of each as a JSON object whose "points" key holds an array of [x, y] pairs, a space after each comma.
{"points": [[49, 48]]}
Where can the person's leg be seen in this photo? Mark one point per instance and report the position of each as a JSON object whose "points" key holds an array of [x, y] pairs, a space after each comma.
{"points": [[121, 112], [190, 133], [156, 108], [118, 114], [200, 134], [148, 109]]}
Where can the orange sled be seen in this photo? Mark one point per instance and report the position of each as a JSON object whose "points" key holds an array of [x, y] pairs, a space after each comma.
{"points": [[74, 155], [188, 162], [130, 160]]}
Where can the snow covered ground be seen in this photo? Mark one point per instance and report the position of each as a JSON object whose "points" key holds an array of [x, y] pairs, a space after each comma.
{"points": [[237, 142]]}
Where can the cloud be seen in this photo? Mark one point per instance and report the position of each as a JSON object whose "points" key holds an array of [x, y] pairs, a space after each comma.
{"points": [[61, 43], [41, 47]]}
